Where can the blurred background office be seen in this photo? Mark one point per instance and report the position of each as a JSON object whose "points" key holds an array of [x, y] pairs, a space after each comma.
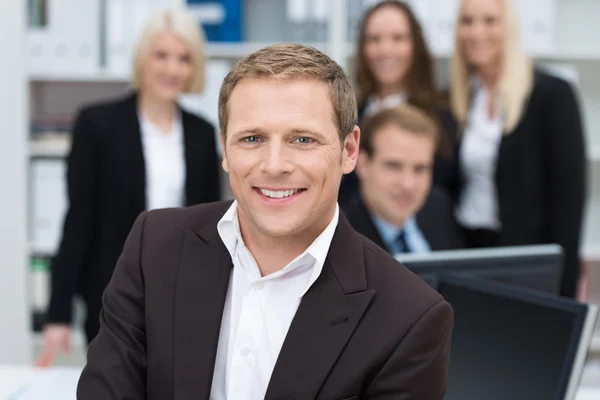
{"points": [[74, 53]]}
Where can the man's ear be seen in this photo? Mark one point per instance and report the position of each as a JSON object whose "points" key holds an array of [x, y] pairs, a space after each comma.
{"points": [[224, 160], [350, 150]]}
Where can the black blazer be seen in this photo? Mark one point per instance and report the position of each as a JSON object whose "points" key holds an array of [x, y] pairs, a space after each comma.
{"points": [[107, 191], [442, 168], [541, 175], [435, 220], [367, 328]]}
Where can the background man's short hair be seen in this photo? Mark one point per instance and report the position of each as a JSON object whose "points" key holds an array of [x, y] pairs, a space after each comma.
{"points": [[295, 62], [185, 27], [406, 117]]}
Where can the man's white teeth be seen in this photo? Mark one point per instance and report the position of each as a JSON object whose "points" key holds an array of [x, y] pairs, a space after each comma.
{"points": [[278, 194]]}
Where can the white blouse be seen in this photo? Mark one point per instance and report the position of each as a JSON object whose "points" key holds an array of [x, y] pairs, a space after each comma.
{"points": [[478, 203], [164, 159]]}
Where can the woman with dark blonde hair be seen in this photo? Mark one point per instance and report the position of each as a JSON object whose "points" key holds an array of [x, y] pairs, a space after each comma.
{"points": [[520, 170], [394, 66]]}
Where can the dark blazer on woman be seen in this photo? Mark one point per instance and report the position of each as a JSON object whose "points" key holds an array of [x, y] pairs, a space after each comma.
{"points": [[442, 166], [106, 183], [541, 175]]}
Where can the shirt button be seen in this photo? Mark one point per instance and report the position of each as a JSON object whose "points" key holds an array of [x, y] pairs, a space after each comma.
{"points": [[259, 285], [245, 350]]}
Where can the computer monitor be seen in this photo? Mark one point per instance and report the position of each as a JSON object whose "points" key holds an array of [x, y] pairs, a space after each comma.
{"points": [[510, 343], [537, 267]]}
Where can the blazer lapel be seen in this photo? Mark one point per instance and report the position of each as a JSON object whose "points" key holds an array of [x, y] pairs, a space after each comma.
{"points": [[193, 152], [325, 320], [202, 283], [132, 150]]}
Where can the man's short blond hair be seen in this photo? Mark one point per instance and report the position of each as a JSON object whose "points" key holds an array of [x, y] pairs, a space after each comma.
{"points": [[406, 117], [294, 62], [186, 28]]}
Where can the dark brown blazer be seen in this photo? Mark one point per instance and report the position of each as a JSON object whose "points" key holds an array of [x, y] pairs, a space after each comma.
{"points": [[367, 329]]}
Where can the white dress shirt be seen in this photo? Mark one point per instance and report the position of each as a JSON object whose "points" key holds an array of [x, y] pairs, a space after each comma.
{"points": [[375, 104], [478, 204], [258, 311], [164, 159]]}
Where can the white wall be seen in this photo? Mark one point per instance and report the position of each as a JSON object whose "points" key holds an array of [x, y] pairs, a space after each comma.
{"points": [[14, 332]]}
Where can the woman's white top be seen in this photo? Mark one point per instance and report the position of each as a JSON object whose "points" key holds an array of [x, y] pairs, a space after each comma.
{"points": [[478, 203], [164, 159]]}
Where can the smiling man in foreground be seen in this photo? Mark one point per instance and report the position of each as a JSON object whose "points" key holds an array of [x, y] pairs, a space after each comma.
{"points": [[272, 296]]}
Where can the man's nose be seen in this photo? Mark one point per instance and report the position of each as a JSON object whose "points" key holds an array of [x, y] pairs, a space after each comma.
{"points": [[406, 179], [276, 159]]}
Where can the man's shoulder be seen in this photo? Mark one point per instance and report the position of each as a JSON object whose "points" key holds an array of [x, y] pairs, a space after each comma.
{"points": [[395, 284], [195, 218]]}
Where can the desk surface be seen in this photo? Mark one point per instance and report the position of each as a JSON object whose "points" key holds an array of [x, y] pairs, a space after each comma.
{"points": [[27, 383]]}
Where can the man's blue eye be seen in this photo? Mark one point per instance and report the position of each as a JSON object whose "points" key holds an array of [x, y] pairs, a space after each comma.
{"points": [[251, 139], [304, 140]]}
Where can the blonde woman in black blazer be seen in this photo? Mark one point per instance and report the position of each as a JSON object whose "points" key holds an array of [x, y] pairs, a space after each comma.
{"points": [[520, 164], [128, 156]]}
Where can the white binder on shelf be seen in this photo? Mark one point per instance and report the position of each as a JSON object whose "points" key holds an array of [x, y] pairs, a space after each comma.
{"points": [[124, 25], [69, 42], [48, 204]]}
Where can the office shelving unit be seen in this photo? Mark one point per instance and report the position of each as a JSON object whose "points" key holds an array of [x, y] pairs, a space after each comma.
{"points": [[576, 30]]}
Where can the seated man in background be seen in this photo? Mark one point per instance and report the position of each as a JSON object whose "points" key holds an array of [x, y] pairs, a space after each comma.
{"points": [[397, 208]]}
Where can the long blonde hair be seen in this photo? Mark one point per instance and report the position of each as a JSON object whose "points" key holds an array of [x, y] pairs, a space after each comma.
{"points": [[516, 81]]}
